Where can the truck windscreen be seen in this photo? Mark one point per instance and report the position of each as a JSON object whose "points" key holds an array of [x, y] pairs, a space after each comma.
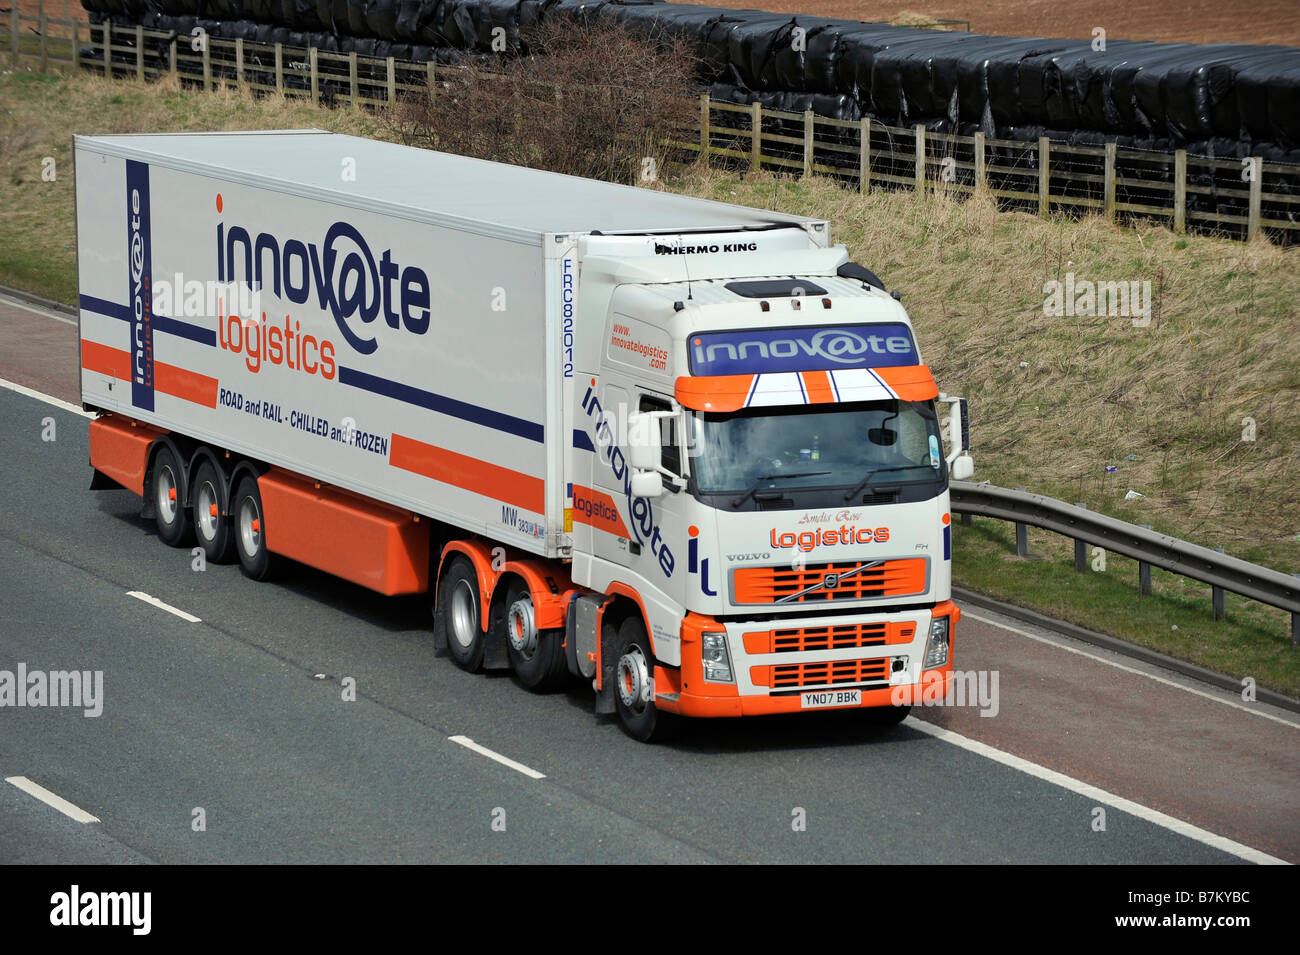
{"points": [[823, 449]]}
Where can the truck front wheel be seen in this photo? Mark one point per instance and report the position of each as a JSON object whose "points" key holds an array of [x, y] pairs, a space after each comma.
{"points": [[634, 692], [458, 602]]}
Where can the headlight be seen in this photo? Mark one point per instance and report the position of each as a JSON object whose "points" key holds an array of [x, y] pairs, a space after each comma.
{"points": [[936, 648], [717, 663]]}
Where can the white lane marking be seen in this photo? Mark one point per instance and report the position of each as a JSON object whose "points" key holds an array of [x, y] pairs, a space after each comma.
{"points": [[41, 396], [162, 606], [503, 760], [36, 310], [1128, 669], [1222, 843], [75, 813]]}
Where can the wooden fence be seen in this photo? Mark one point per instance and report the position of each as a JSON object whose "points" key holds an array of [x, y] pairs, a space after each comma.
{"points": [[1237, 198]]}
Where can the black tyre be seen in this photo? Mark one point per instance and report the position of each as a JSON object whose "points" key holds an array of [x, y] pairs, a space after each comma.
{"points": [[211, 526], [536, 655], [634, 687], [462, 613], [249, 525], [168, 489], [886, 715]]}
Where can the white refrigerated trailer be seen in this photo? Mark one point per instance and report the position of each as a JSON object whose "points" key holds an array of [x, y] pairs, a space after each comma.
{"points": [[682, 449]]}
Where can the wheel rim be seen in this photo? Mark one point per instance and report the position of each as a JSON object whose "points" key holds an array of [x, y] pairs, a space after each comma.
{"points": [[633, 679], [206, 511], [165, 488], [522, 628], [250, 527], [464, 614]]}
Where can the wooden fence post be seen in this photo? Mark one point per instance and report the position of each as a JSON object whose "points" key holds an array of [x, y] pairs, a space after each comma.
{"points": [[315, 78], [864, 155], [1256, 196], [239, 62], [207, 63], [76, 46], [981, 180], [919, 132], [173, 52], [279, 68], [392, 80], [755, 135], [1180, 191], [433, 84], [1108, 180], [108, 47], [808, 142], [352, 77], [139, 52], [704, 126], [1044, 176]]}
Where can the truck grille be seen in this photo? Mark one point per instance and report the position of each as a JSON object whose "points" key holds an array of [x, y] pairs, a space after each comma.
{"points": [[767, 585], [842, 637], [796, 676]]}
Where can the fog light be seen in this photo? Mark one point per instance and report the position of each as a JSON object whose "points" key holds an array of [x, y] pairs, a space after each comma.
{"points": [[936, 648], [717, 663]]}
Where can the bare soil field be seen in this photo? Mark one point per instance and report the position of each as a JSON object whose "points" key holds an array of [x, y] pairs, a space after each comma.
{"points": [[1190, 21]]}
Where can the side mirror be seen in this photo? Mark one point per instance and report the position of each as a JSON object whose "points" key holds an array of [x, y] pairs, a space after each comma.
{"points": [[963, 467], [644, 447], [647, 484]]}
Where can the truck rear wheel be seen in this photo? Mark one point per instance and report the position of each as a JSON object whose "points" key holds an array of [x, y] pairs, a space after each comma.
{"points": [[255, 560], [459, 603], [170, 514], [211, 526], [536, 655], [634, 687]]}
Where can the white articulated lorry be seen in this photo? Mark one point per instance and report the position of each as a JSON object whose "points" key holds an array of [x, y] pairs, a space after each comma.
{"points": [[681, 449]]}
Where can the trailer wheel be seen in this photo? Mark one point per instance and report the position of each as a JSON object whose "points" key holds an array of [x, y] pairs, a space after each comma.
{"points": [[634, 687], [210, 526], [459, 603], [255, 560], [536, 655], [173, 520]]}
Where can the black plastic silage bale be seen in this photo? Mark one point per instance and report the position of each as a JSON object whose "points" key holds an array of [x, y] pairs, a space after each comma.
{"points": [[1268, 97]]}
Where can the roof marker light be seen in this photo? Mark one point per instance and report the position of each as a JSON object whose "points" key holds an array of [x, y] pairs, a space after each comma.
{"points": [[765, 306], [826, 303]]}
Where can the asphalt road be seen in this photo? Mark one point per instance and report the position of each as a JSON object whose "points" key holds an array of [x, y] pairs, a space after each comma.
{"points": [[240, 719]]}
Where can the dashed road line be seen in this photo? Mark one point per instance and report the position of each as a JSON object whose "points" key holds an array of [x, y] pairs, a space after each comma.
{"points": [[75, 813], [497, 757]]}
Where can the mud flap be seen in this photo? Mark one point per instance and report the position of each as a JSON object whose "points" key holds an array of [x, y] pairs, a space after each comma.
{"points": [[494, 643], [605, 702]]}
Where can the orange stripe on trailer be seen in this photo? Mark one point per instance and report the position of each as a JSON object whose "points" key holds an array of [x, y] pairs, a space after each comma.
{"points": [[344, 534], [910, 382], [594, 508], [104, 360], [714, 392], [818, 386], [119, 449], [169, 379], [470, 474], [183, 383]]}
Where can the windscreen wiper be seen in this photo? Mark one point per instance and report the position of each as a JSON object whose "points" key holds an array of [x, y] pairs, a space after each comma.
{"points": [[772, 477], [870, 474]]}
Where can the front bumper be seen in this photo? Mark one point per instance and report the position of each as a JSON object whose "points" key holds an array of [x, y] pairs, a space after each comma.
{"points": [[865, 668]]}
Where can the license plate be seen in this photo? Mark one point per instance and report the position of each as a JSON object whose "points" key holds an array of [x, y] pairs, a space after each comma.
{"points": [[818, 699]]}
